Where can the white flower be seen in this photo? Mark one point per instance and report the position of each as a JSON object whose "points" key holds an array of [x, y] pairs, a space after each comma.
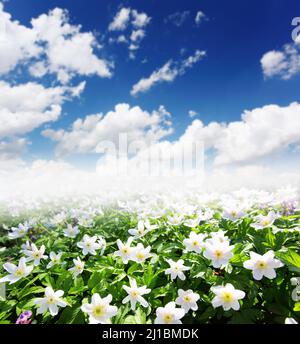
{"points": [[35, 254], [78, 267], [195, 242], [169, 314], [227, 297], [140, 253], [55, 259], [157, 213], [218, 252], [175, 220], [290, 321], [100, 311], [18, 232], [70, 231], [26, 246], [218, 236], [233, 213], [89, 245], [125, 251], [187, 300], [59, 218], [135, 294], [102, 243], [142, 229], [16, 272], [264, 265], [192, 223], [262, 221], [51, 302], [85, 220], [176, 269], [206, 215]]}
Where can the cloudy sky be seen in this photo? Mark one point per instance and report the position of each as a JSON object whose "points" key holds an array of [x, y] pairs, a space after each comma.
{"points": [[76, 73]]}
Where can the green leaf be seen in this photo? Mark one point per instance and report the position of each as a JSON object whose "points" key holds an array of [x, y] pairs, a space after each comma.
{"points": [[290, 258], [71, 315], [138, 318]]}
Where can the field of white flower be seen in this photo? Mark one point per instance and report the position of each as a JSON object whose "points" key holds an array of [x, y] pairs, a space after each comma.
{"points": [[164, 259]]}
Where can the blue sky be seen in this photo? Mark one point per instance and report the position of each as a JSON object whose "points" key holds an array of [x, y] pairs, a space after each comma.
{"points": [[227, 81]]}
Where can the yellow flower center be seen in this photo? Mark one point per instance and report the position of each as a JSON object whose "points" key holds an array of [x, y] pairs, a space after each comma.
{"points": [[227, 296], [51, 299], [168, 317], [98, 311], [125, 250], [134, 294], [140, 255], [234, 213], [19, 272], [261, 264], [36, 255], [219, 254], [187, 298], [195, 243], [266, 222]]}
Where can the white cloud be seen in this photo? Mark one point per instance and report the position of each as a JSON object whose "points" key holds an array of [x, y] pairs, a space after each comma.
{"points": [[192, 113], [126, 16], [88, 134], [177, 18], [284, 63], [10, 152], [260, 132], [200, 17], [137, 35], [136, 21], [120, 20], [167, 73], [122, 39], [51, 45], [11, 149], [140, 20], [69, 51], [259, 177], [17, 43], [27, 106]]}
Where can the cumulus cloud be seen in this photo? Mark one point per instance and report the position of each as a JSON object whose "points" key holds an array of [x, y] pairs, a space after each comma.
{"points": [[260, 132], [69, 51], [10, 152], [200, 17], [167, 73], [50, 45], [283, 63], [177, 18], [120, 20], [193, 113], [140, 20], [17, 43], [94, 131], [27, 106], [134, 23]]}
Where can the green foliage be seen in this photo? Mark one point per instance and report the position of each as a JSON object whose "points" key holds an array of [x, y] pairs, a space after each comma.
{"points": [[266, 301]]}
